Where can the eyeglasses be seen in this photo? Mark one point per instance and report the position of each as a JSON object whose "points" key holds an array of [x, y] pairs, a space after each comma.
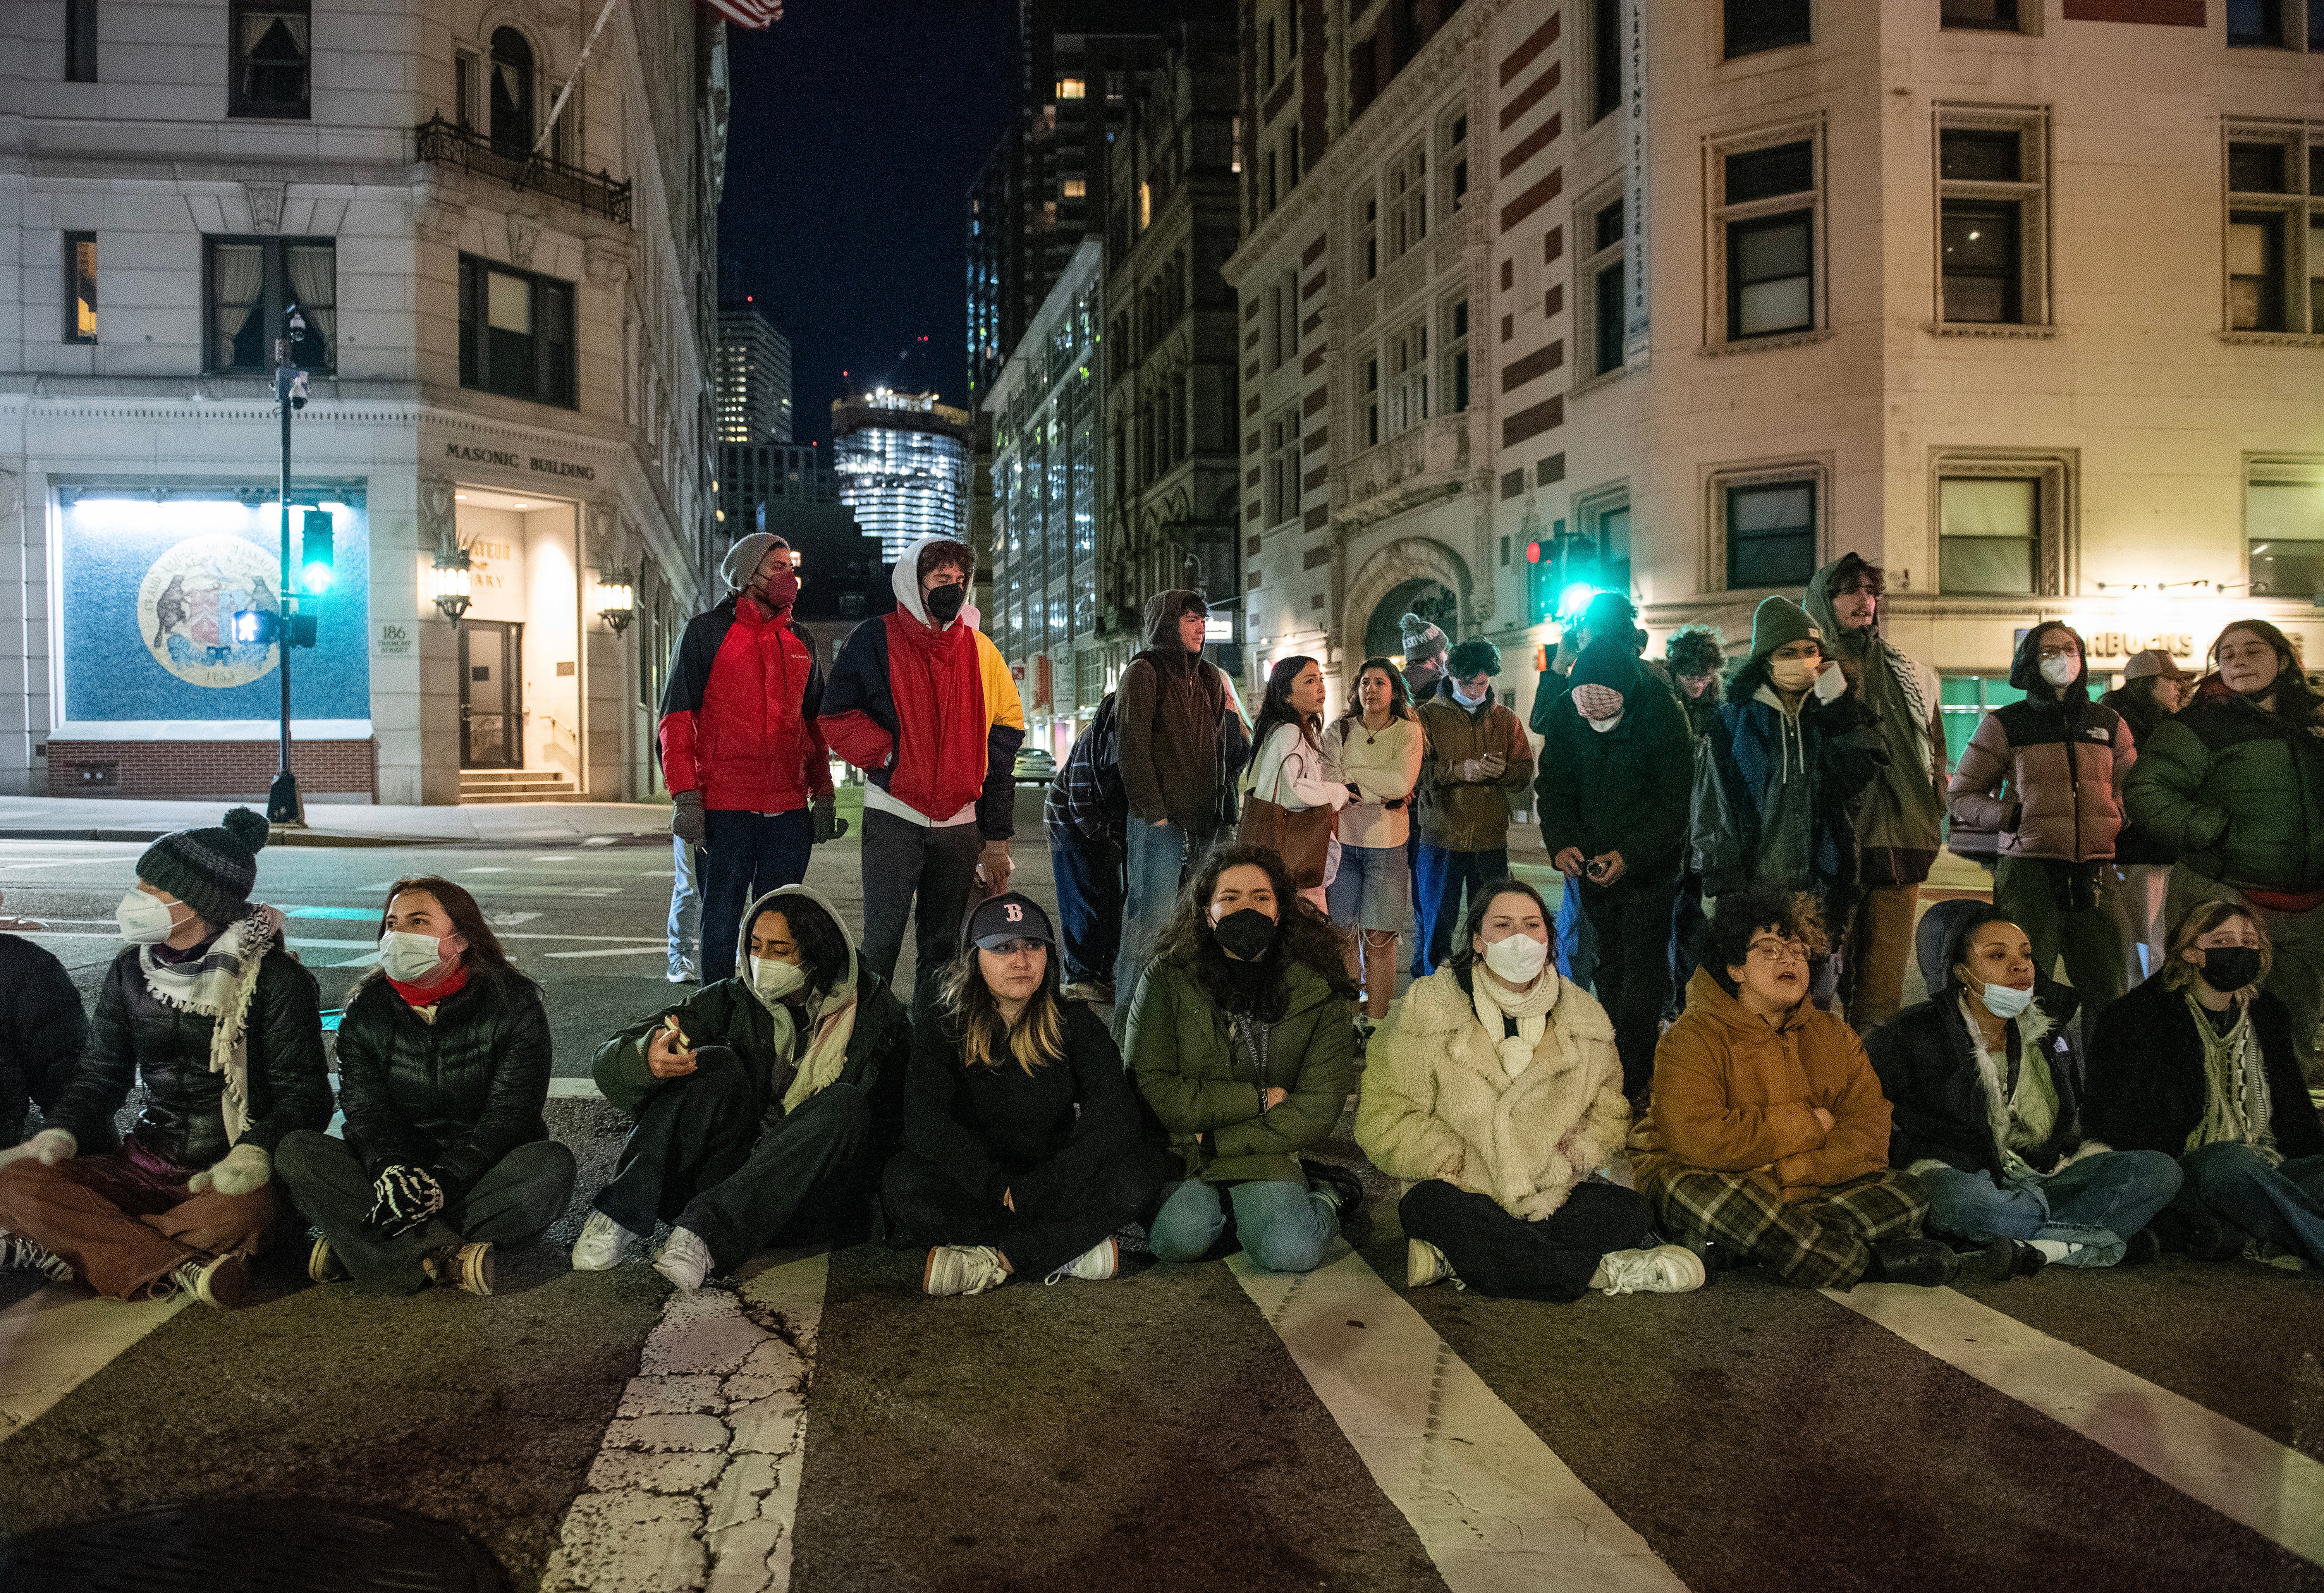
{"points": [[2067, 652], [1772, 950], [1010, 948]]}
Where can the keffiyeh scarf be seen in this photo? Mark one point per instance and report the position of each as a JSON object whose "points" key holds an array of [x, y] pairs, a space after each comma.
{"points": [[219, 985]]}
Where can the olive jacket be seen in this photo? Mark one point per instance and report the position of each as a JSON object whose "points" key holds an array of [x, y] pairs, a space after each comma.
{"points": [[2238, 793], [1469, 815]]}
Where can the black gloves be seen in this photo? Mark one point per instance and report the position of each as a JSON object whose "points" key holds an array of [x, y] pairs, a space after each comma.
{"points": [[403, 1198]]}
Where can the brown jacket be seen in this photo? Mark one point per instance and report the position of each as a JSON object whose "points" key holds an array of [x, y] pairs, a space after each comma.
{"points": [[1168, 707], [1469, 815], [1734, 1094]]}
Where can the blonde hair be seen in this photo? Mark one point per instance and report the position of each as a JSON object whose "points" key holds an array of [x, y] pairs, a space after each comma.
{"points": [[2204, 916], [1035, 1039]]}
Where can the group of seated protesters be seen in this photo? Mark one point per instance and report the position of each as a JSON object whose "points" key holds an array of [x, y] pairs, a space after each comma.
{"points": [[798, 1102]]}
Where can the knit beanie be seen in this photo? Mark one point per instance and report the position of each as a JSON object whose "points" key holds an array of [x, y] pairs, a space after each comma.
{"points": [[1779, 620], [1421, 641], [212, 871], [1607, 661], [742, 559]]}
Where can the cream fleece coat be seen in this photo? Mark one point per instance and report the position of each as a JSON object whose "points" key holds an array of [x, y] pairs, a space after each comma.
{"points": [[1436, 1103]]}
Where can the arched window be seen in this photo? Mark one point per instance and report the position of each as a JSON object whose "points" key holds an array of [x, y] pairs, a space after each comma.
{"points": [[512, 93]]}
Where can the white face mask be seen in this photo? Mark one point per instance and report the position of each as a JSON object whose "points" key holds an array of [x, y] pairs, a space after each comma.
{"points": [[2004, 1001], [2061, 671], [1517, 958], [1465, 700], [1602, 725], [408, 957], [145, 920], [774, 978], [1793, 674]]}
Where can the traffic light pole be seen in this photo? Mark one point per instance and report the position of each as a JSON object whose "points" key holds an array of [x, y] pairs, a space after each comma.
{"points": [[282, 805]]}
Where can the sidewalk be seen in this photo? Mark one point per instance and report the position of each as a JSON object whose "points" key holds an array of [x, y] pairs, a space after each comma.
{"points": [[85, 818]]}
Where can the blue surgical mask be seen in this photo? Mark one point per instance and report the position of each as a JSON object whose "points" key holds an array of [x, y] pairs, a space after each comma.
{"points": [[2005, 1001], [1466, 701]]}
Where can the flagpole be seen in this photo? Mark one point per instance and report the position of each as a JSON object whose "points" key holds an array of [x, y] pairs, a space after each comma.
{"points": [[548, 123]]}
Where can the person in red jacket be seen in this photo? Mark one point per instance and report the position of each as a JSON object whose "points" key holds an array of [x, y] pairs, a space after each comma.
{"points": [[741, 750]]}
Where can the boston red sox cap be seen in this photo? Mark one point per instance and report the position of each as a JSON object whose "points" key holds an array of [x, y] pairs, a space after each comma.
{"points": [[1011, 915]]}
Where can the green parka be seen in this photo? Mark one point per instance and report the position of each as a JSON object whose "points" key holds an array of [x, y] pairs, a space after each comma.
{"points": [[1181, 1048], [2239, 794]]}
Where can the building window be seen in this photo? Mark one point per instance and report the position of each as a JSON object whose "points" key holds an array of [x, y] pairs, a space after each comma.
{"points": [[2256, 25], [1267, 62], [1456, 358], [1978, 14], [1992, 217], [1407, 367], [1771, 533], [269, 45], [1073, 88], [516, 333], [1283, 466], [1765, 223], [1371, 402], [252, 284], [1601, 300], [1291, 157], [1282, 319], [80, 287], [1074, 188], [2275, 236], [467, 74], [1605, 58], [1368, 236], [1989, 535], [1407, 200], [1754, 25], [1145, 205], [512, 93], [80, 41], [1456, 158], [2283, 524]]}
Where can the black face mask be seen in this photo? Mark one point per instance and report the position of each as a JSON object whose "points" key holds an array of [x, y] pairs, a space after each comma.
{"points": [[944, 604], [1245, 935], [2230, 967]]}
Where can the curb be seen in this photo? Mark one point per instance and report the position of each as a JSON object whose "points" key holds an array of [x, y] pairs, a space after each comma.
{"points": [[276, 836]]}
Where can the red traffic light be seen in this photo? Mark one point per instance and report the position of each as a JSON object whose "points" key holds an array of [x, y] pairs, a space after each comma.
{"points": [[1533, 553]]}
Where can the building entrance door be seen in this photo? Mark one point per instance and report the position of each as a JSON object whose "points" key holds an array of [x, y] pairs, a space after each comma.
{"points": [[492, 694]]}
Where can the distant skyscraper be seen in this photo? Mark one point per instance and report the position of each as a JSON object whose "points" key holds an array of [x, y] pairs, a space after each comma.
{"points": [[754, 377], [902, 461], [751, 473]]}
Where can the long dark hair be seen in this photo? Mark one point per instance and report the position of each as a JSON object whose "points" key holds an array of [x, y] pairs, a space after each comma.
{"points": [[822, 945], [1035, 1040], [483, 956], [1276, 707], [1399, 692], [1302, 934], [1481, 902], [2296, 701]]}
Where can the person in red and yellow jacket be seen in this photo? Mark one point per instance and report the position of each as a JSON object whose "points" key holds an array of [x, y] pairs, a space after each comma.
{"points": [[922, 703], [741, 750]]}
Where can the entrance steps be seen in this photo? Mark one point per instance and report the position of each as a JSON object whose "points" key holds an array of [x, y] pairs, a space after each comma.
{"points": [[478, 786]]}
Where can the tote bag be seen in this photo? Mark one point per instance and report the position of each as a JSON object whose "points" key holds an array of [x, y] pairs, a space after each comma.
{"points": [[1303, 839]]}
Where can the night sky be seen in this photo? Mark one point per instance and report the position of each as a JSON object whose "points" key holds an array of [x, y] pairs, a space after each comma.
{"points": [[857, 125]]}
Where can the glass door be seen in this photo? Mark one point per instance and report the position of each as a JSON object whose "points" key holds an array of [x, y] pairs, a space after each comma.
{"points": [[491, 696]]}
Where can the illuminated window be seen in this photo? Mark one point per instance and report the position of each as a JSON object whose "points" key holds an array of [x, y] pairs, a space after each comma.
{"points": [[1145, 205], [1074, 188], [1071, 88], [80, 287]]}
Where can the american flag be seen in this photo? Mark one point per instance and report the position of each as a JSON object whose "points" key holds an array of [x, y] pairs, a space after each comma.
{"points": [[750, 14]]}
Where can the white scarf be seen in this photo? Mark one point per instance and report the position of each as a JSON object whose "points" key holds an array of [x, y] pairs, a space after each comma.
{"points": [[219, 985], [1529, 1007]]}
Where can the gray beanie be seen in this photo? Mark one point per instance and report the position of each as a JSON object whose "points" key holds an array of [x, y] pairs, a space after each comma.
{"points": [[1421, 641], [742, 559], [210, 870]]}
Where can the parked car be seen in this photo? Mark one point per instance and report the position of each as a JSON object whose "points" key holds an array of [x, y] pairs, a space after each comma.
{"points": [[1036, 767]]}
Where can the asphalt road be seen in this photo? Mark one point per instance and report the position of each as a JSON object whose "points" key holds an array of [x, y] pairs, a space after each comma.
{"points": [[1187, 1427]]}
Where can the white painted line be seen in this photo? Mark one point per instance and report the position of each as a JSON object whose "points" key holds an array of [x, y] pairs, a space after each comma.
{"points": [[57, 1340], [697, 1483], [658, 946], [1495, 1507], [2275, 1491], [551, 859], [575, 1089]]}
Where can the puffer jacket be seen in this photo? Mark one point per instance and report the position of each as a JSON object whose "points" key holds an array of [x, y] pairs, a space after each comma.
{"points": [[1438, 1104], [1622, 790], [1734, 1094], [1927, 1061], [2044, 778], [43, 1029], [134, 1035], [1469, 815], [1181, 1047], [453, 1096], [2145, 717], [2238, 793]]}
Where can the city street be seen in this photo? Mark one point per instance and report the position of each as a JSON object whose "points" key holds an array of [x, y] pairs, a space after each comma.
{"points": [[825, 1426]]}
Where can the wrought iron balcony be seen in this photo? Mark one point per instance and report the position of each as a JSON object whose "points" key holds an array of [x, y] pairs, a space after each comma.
{"points": [[596, 193]]}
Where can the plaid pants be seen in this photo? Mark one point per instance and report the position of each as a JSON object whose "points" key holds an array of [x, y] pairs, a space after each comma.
{"points": [[1824, 1242]]}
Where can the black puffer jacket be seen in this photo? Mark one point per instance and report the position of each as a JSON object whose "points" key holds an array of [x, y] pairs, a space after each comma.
{"points": [[453, 1096], [134, 1035], [43, 1029]]}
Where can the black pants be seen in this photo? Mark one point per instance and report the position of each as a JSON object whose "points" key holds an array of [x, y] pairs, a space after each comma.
{"points": [[925, 1206], [1632, 920], [698, 1160], [902, 861], [1494, 1252], [745, 855], [1687, 919], [516, 1200]]}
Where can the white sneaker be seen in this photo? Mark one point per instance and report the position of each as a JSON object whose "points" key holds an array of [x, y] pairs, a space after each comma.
{"points": [[602, 1244], [965, 1269], [1424, 1263], [684, 1260], [18, 1254], [1666, 1269], [1101, 1260]]}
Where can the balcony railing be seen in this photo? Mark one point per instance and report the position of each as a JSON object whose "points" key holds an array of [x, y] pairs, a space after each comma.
{"points": [[465, 147]]}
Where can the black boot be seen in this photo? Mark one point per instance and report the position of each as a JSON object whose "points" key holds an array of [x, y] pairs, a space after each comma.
{"points": [[2212, 1237], [1924, 1263], [2141, 1248], [2007, 1258]]}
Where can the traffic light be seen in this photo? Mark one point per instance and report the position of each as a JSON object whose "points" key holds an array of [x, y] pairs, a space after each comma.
{"points": [[316, 551], [1542, 583], [255, 627]]}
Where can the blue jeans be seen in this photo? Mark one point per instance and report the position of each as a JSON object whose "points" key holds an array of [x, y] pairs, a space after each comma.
{"points": [[685, 905], [1283, 1226], [2097, 1203], [1088, 877], [1155, 857], [745, 855], [1443, 874], [1577, 938], [2279, 1205]]}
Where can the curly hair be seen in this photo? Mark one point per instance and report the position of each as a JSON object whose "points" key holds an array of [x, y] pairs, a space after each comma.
{"points": [[1475, 656], [1724, 941], [1301, 933], [1695, 649], [2198, 921], [1854, 570]]}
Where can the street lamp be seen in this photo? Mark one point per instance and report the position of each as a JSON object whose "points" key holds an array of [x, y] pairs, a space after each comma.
{"points": [[451, 581], [282, 806], [614, 592]]}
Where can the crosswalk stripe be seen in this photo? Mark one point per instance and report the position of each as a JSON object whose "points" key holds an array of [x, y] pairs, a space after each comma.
{"points": [[1495, 1507], [2277, 1492], [53, 1342]]}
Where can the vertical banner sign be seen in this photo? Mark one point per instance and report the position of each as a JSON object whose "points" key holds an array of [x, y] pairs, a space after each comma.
{"points": [[1636, 343]]}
